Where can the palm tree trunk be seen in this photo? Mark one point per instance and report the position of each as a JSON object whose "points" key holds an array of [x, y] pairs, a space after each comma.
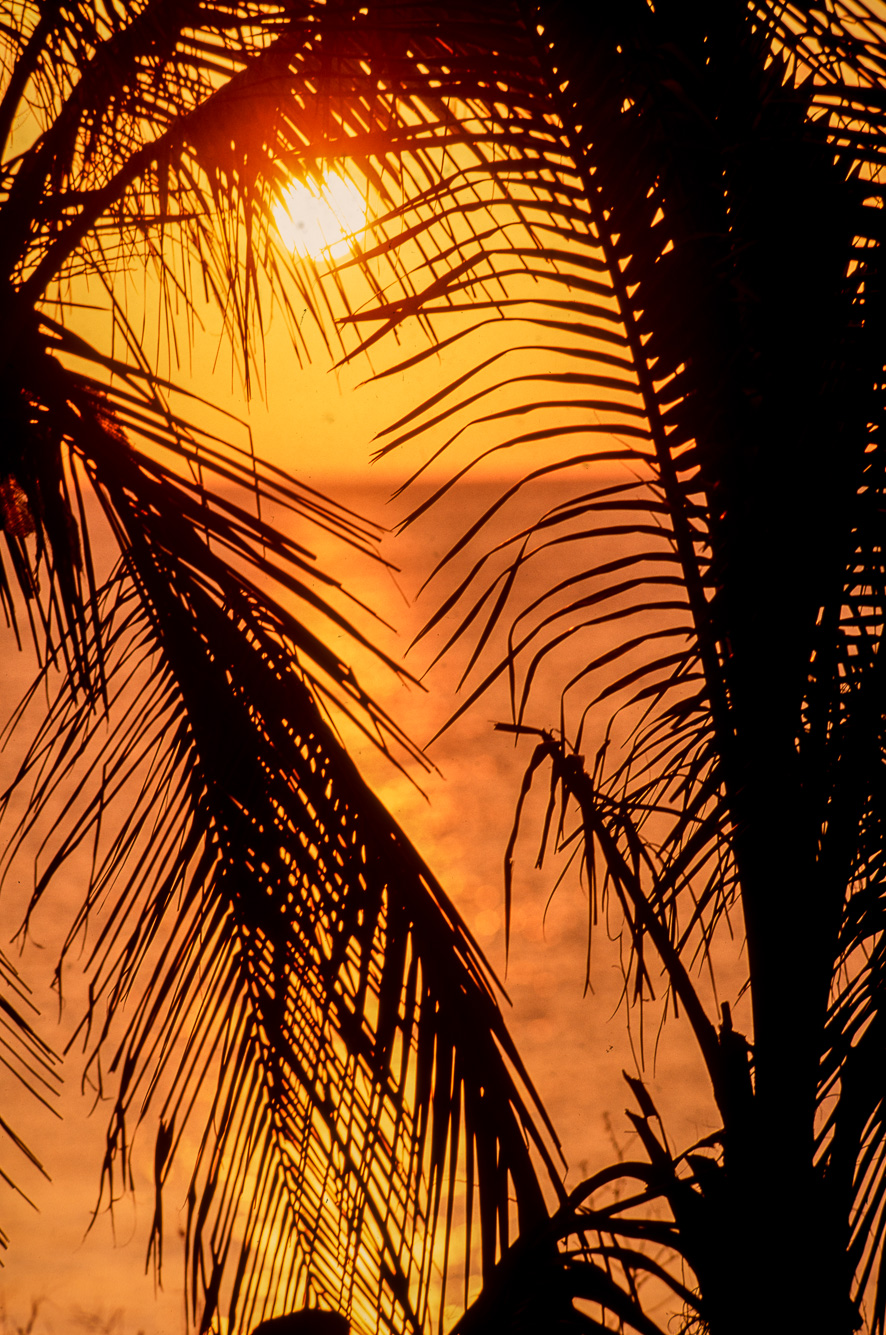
{"points": [[785, 1269]]}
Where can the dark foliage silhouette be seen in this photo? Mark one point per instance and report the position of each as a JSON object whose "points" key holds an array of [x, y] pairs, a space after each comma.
{"points": [[674, 211], [697, 191]]}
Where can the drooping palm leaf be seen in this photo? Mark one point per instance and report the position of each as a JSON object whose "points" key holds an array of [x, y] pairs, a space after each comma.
{"points": [[302, 996], [301, 945]]}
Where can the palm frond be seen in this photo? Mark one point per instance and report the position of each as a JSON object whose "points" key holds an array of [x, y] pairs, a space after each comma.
{"points": [[302, 934], [289, 938]]}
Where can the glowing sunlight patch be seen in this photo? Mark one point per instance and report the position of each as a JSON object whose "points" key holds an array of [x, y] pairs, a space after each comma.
{"points": [[316, 219]]}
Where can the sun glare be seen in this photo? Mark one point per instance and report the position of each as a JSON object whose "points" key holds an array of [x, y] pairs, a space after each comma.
{"points": [[316, 219]]}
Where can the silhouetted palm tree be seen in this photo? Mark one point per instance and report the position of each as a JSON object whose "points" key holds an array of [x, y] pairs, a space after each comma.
{"points": [[681, 205], [697, 192]]}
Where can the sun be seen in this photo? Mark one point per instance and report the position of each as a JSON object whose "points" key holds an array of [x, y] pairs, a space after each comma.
{"points": [[317, 218]]}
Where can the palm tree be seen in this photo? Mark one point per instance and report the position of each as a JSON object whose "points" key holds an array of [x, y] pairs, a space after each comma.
{"points": [[696, 191], [680, 205]]}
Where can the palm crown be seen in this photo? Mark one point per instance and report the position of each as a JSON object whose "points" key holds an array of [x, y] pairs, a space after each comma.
{"points": [[681, 207]]}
